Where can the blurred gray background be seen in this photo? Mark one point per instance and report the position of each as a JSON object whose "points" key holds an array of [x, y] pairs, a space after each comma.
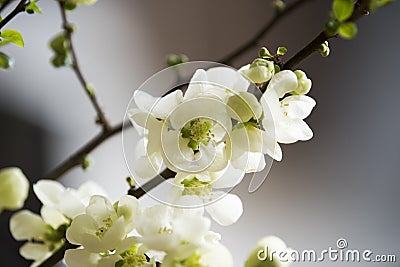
{"points": [[341, 184]]}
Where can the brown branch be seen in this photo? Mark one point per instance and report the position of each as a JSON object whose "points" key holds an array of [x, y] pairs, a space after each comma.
{"points": [[76, 158], [254, 41], [361, 9], [153, 183], [18, 9], [101, 118]]}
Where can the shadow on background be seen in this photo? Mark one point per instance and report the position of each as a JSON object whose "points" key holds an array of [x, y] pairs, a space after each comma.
{"points": [[21, 145]]}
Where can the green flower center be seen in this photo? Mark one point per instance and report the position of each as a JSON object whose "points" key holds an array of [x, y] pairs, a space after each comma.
{"points": [[192, 261], [196, 187], [130, 258], [197, 131], [101, 231]]}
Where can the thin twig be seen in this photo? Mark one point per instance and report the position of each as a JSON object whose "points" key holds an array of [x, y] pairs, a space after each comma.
{"points": [[18, 9], [254, 41], [361, 9], [68, 31], [76, 158]]}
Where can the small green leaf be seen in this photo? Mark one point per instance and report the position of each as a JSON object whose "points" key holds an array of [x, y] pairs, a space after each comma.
{"points": [[348, 30], [32, 7], [375, 4], [12, 36], [5, 61], [264, 53], [281, 51], [343, 9], [59, 44]]}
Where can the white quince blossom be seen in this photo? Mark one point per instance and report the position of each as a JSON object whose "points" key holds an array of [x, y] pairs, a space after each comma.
{"points": [[103, 234], [103, 227], [14, 188], [284, 116], [271, 251], [184, 236], [44, 233], [67, 201], [198, 189], [187, 130]]}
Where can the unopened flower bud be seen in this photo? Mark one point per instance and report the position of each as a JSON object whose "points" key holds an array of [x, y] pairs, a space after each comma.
{"points": [[86, 162], [173, 59], [260, 71], [279, 5], [281, 51], [14, 188], [323, 49], [303, 83]]}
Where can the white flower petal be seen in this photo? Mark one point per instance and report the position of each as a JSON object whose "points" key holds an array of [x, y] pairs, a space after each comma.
{"points": [[115, 234], [283, 82], [226, 210], [217, 256], [196, 87], [293, 131], [166, 104], [26, 225], [148, 166], [34, 251], [298, 106], [153, 219], [71, 206], [271, 147], [228, 78], [82, 224], [53, 217], [88, 189], [248, 161], [144, 101], [81, 258], [48, 192], [100, 208], [228, 178], [191, 228], [129, 208]]}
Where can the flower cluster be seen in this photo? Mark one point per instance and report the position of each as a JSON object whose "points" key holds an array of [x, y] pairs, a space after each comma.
{"points": [[170, 236], [210, 135], [216, 131]]}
